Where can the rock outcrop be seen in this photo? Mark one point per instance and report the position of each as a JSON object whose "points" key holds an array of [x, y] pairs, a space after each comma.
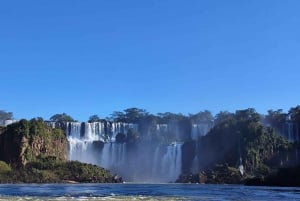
{"points": [[33, 152], [24, 141]]}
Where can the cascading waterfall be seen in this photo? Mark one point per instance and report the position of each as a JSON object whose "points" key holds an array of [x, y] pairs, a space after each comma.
{"points": [[82, 138], [172, 168], [95, 143], [167, 167], [290, 131], [113, 155]]}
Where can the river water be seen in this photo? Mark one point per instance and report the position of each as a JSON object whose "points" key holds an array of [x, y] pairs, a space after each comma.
{"points": [[130, 191]]}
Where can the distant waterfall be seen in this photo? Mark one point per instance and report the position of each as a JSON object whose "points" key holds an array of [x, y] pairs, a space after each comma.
{"points": [[95, 143], [290, 131], [168, 165], [171, 162], [113, 155], [83, 146]]}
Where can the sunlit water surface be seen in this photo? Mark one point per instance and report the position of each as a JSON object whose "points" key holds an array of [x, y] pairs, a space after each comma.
{"points": [[144, 192]]}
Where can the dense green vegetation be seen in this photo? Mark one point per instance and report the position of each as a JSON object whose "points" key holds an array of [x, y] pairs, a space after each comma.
{"points": [[32, 152], [61, 118], [240, 138], [51, 170], [23, 141]]}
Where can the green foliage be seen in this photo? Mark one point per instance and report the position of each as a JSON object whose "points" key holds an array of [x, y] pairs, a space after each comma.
{"points": [[201, 117], [130, 115], [294, 113], [117, 116], [4, 167], [223, 116], [276, 119], [242, 137], [62, 118], [223, 173], [94, 118], [52, 170], [23, 141], [218, 174]]}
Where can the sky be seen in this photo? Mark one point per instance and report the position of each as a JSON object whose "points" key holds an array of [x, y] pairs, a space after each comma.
{"points": [[96, 57]]}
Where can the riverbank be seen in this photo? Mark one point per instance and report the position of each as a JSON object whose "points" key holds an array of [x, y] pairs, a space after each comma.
{"points": [[55, 171]]}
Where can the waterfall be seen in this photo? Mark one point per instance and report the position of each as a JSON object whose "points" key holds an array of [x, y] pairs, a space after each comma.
{"points": [[80, 150], [174, 159], [95, 143], [73, 130], [290, 131], [162, 128], [113, 155], [195, 164], [7, 122], [155, 161], [167, 167]]}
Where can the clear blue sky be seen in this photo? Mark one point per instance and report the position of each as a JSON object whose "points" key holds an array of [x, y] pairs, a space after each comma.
{"points": [[95, 57]]}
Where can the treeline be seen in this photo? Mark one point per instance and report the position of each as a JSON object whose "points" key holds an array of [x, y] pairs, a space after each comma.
{"points": [[274, 118], [180, 125]]}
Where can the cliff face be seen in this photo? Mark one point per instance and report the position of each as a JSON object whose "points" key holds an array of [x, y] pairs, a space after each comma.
{"points": [[25, 141]]}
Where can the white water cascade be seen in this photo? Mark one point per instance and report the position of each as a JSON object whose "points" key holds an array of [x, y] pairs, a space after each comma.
{"points": [[171, 168], [290, 131], [167, 167], [95, 143], [85, 139]]}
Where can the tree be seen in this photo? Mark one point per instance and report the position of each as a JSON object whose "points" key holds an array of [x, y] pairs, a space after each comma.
{"points": [[294, 113], [247, 115], [202, 117], [167, 117], [5, 115], [130, 115], [133, 115], [94, 118], [222, 117], [62, 118], [276, 119], [117, 116]]}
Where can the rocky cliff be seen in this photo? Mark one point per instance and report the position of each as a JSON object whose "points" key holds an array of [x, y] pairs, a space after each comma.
{"points": [[32, 152], [25, 141]]}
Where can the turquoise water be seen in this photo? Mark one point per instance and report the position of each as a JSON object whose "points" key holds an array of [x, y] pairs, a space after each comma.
{"points": [[144, 192]]}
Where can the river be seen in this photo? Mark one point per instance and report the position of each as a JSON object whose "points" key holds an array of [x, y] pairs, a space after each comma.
{"points": [[133, 191]]}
